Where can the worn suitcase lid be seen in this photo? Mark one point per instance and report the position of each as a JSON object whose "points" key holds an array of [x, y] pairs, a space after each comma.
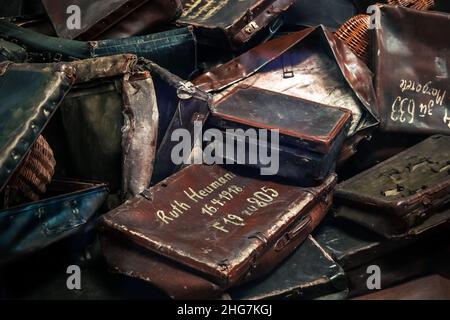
{"points": [[30, 93], [416, 179], [95, 16], [240, 20], [309, 273], [412, 85], [33, 226], [352, 245], [301, 119], [199, 228], [281, 65]]}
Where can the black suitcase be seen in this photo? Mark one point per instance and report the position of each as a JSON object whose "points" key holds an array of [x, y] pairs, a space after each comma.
{"points": [[309, 273]]}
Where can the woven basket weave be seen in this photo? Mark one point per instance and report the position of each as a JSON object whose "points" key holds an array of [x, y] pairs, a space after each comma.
{"points": [[30, 180], [415, 4], [355, 33]]}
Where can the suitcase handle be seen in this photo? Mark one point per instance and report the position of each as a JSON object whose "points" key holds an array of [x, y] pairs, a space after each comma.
{"points": [[293, 233]]}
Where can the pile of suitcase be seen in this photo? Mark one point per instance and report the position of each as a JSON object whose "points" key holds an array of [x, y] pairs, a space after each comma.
{"points": [[92, 94]]}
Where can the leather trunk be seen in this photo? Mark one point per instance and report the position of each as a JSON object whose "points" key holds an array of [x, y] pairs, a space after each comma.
{"points": [[31, 94], [404, 195], [311, 135], [235, 23], [111, 19], [217, 230], [310, 64], [411, 70]]}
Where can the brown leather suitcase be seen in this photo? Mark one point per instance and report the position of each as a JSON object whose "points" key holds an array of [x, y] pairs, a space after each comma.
{"points": [[111, 19], [222, 22], [311, 135], [404, 195], [207, 229], [310, 64], [411, 70]]}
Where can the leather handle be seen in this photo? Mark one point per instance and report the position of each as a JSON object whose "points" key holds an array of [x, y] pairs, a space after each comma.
{"points": [[293, 233]]}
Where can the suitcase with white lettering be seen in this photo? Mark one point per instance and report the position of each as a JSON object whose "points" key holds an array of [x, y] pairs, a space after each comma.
{"points": [[411, 70], [206, 229]]}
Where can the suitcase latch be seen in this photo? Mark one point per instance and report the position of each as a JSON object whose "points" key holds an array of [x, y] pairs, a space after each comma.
{"points": [[251, 28]]}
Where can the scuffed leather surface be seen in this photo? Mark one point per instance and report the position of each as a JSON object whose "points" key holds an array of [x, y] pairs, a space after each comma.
{"points": [[320, 68], [402, 192], [412, 66], [110, 121], [192, 241], [311, 135], [30, 95]]}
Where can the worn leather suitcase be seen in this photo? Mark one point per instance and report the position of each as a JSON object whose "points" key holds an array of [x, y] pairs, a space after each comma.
{"points": [[217, 230], [310, 64], [412, 85], [311, 135], [233, 23], [404, 195], [108, 124], [31, 94], [111, 19], [309, 273], [125, 111], [164, 48]]}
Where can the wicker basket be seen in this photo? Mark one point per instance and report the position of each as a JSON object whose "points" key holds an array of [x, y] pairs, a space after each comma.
{"points": [[415, 4], [30, 180], [355, 33]]}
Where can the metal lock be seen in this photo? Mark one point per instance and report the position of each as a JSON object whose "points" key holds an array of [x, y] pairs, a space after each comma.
{"points": [[251, 28]]}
